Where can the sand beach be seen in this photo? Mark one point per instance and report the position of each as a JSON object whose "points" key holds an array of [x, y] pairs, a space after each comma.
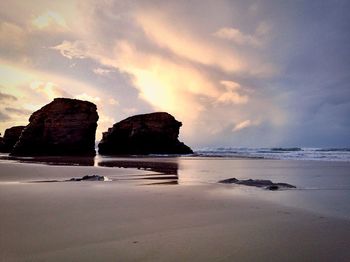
{"points": [[128, 219]]}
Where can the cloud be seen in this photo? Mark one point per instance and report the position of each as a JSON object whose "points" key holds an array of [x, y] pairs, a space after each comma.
{"points": [[6, 97], [155, 77], [231, 95], [217, 66], [174, 68], [165, 35], [12, 36], [87, 97], [4, 117], [230, 85], [130, 110], [235, 35], [50, 20], [242, 125], [49, 89], [77, 49], [33, 89], [102, 71], [113, 101], [18, 111]]}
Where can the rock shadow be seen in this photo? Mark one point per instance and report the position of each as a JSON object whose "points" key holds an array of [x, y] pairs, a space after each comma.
{"points": [[166, 173], [54, 160]]}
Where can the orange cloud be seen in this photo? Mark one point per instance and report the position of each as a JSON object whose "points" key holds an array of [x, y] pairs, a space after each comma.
{"points": [[188, 45], [49, 89], [86, 97], [31, 89], [178, 70], [164, 84]]}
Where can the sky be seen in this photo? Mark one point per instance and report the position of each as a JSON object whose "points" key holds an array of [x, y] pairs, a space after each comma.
{"points": [[235, 73]]}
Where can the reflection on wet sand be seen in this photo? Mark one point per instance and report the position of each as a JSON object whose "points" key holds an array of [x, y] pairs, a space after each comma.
{"points": [[54, 160], [164, 170]]}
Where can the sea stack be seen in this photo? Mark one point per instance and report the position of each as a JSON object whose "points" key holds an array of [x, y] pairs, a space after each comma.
{"points": [[61, 128], [1, 143], [155, 133], [10, 138]]}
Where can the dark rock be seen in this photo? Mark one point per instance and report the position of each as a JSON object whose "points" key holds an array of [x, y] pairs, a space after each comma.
{"points": [[90, 178], [84, 178], [229, 181], [1, 143], [273, 187], [285, 185], [166, 168], [10, 138], [255, 182], [268, 184], [63, 127], [155, 133]]}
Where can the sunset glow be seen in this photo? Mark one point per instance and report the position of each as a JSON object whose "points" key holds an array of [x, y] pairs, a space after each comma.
{"points": [[229, 68]]}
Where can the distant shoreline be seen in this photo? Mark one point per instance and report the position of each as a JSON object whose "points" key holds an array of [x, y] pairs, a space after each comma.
{"points": [[295, 153]]}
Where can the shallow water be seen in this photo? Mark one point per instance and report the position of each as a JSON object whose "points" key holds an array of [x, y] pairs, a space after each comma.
{"points": [[322, 187]]}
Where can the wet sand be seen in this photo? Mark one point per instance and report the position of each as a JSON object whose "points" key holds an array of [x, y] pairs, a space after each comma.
{"points": [[128, 220]]}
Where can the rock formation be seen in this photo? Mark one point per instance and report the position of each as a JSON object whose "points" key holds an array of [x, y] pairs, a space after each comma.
{"points": [[63, 127], [76, 179], [10, 138], [89, 178], [155, 133], [267, 184], [1, 143]]}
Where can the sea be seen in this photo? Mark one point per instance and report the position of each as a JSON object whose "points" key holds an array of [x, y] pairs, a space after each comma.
{"points": [[281, 153]]}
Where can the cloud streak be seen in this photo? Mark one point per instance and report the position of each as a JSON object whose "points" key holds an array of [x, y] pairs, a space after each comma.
{"points": [[18, 111], [241, 125], [6, 97]]}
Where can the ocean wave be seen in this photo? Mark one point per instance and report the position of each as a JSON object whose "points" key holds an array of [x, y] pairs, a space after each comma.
{"points": [[292, 153], [286, 149], [333, 150]]}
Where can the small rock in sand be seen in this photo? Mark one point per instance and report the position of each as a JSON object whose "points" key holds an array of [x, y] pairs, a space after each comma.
{"points": [[90, 178], [267, 184]]}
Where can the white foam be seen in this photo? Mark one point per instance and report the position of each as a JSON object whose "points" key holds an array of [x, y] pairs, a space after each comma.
{"points": [[319, 154]]}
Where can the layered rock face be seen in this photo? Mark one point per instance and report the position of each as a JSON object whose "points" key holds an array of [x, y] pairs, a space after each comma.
{"points": [[155, 133], [63, 127], [10, 138], [1, 144]]}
